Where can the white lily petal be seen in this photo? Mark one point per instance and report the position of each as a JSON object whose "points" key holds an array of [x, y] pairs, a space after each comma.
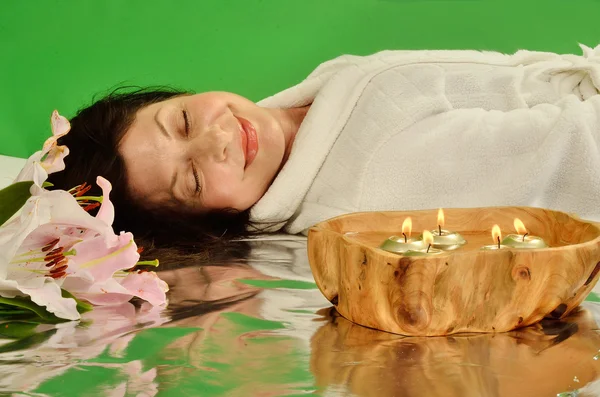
{"points": [[35, 212], [49, 296], [10, 289], [55, 160], [28, 169]]}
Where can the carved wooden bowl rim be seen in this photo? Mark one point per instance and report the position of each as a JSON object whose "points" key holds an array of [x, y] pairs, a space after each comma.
{"points": [[324, 225]]}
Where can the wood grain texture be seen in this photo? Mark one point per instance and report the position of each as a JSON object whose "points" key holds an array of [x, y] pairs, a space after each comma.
{"points": [[467, 290]]}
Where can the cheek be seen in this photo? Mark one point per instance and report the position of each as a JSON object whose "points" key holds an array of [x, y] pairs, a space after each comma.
{"points": [[222, 191]]}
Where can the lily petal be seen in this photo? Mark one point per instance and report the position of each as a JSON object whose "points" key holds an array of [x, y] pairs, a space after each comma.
{"points": [[34, 213], [60, 127], [103, 258], [49, 296], [109, 292], [106, 213], [33, 171], [55, 159], [148, 286]]}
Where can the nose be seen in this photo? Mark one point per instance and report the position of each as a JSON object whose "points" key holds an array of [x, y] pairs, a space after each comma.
{"points": [[214, 143]]}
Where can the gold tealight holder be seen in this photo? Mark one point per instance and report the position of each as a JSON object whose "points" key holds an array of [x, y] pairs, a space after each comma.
{"points": [[427, 250], [523, 240], [444, 239], [404, 243], [496, 236], [400, 244]]}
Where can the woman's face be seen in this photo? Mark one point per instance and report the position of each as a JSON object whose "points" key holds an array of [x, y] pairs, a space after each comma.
{"points": [[203, 152]]}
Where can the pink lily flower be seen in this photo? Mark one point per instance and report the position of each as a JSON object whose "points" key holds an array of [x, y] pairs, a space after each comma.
{"points": [[67, 247]]}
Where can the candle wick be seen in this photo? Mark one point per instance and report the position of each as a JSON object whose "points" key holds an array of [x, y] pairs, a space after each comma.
{"points": [[405, 240], [440, 229], [498, 242], [428, 248], [524, 236]]}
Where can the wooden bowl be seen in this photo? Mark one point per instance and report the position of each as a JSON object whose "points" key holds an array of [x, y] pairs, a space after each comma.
{"points": [[467, 290]]}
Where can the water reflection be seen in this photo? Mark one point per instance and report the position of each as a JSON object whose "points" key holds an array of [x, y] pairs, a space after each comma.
{"points": [[542, 360], [50, 350], [249, 322]]}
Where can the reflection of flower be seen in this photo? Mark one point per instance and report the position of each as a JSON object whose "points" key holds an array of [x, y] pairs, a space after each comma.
{"points": [[54, 243], [139, 384], [73, 342]]}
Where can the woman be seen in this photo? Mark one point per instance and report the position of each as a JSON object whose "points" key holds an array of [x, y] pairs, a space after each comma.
{"points": [[394, 130]]}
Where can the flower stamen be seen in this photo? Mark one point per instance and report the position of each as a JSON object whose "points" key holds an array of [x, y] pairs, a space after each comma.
{"points": [[80, 190], [59, 269], [55, 261], [89, 207], [55, 251], [58, 275], [50, 245]]}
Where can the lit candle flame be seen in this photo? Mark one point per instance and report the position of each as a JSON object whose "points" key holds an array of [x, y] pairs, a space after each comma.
{"points": [[520, 226], [441, 219], [427, 237], [496, 234], [407, 227]]}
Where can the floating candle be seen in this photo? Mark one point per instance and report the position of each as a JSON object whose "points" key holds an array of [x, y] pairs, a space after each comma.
{"points": [[401, 244], [445, 239], [523, 240], [427, 241], [496, 236]]}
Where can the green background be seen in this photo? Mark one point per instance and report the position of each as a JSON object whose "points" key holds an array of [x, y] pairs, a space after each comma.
{"points": [[59, 54]]}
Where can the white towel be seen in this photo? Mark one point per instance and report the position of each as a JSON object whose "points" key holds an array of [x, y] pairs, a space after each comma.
{"points": [[9, 169], [427, 129]]}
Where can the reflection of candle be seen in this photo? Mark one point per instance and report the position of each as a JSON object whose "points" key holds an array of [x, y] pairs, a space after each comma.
{"points": [[523, 239], [496, 236], [428, 250], [400, 244], [444, 239]]}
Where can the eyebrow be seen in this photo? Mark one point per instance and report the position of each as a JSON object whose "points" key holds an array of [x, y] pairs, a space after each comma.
{"points": [[161, 126]]}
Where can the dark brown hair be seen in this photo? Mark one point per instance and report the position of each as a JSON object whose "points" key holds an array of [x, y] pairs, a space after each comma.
{"points": [[93, 142]]}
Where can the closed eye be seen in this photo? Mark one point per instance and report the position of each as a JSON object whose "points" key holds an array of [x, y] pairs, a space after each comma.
{"points": [[186, 121], [197, 178]]}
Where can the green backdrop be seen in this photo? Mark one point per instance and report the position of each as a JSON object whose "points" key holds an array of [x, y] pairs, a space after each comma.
{"points": [[58, 54]]}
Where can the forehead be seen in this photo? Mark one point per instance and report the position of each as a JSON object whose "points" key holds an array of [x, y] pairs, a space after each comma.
{"points": [[148, 157]]}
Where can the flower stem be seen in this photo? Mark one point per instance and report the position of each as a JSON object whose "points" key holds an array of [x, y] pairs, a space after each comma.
{"points": [[148, 263], [89, 198]]}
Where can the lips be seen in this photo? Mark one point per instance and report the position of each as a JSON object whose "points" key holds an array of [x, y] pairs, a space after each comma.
{"points": [[249, 140]]}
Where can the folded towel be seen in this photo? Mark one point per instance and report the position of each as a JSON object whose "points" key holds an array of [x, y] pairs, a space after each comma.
{"points": [[9, 169]]}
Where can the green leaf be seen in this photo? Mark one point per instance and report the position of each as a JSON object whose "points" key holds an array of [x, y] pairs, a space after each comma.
{"points": [[27, 342], [288, 284], [47, 184], [17, 329], [12, 198], [26, 303], [82, 307]]}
